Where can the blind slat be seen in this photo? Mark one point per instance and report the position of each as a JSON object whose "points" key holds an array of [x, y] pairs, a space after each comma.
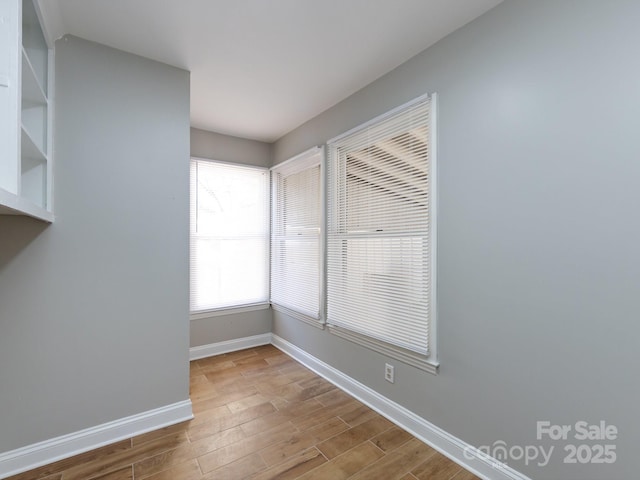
{"points": [[295, 234], [229, 235], [378, 239]]}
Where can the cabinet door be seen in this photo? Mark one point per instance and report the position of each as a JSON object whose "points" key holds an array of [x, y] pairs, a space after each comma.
{"points": [[10, 52]]}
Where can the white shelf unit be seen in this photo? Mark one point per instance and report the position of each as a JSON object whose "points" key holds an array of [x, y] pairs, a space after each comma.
{"points": [[26, 166]]}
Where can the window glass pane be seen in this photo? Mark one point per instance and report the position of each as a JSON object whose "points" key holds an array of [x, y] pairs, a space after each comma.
{"points": [[379, 240], [229, 235], [295, 235]]}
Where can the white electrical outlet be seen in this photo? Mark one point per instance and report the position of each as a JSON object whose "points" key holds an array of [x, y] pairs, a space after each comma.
{"points": [[388, 372]]}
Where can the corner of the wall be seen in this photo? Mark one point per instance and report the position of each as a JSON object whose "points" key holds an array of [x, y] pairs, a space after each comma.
{"points": [[51, 20], [203, 351]]}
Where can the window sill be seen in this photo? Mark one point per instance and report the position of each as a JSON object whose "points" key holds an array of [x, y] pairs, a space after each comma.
{"points": [[309, 320], [401, 354], [219, 312]]}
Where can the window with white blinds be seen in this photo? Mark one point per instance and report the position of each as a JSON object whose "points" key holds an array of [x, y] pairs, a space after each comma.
{"points": [[229, 235], [296, 233], [381, 234]]}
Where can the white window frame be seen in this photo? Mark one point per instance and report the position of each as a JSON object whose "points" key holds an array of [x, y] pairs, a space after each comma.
{"points": [[430, 361], [242, 307], [312, 158]]}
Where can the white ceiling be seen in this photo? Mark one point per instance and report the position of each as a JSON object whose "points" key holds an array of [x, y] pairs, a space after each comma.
{"points": [[260, 68]]}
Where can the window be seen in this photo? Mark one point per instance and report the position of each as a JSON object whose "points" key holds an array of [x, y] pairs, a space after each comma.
{"points": [[381, 234], [296, 221], [229, 235]]}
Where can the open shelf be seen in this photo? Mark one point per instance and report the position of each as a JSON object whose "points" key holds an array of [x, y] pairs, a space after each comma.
{"points": [[34, 181], [34, 43], [30, 149], [32, 90], [33, 171], [26, 163], [11, 204], [34, 123]]}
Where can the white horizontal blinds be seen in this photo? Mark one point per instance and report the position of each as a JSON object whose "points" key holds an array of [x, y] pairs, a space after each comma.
{"points": [[295, 235], [378, 243], [229, 235]]}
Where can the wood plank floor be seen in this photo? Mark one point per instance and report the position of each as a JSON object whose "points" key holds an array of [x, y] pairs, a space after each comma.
{"points": [[261, 415]]}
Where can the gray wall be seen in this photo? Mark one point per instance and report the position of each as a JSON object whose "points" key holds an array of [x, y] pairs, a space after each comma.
{"points": [[225, 148], [94, 308], [216, 146], [205, 331], [538, 228]]}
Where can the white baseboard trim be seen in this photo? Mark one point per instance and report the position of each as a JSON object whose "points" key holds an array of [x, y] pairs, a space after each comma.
{"points": [[49, 451], [219, 348], [473, 460]]}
